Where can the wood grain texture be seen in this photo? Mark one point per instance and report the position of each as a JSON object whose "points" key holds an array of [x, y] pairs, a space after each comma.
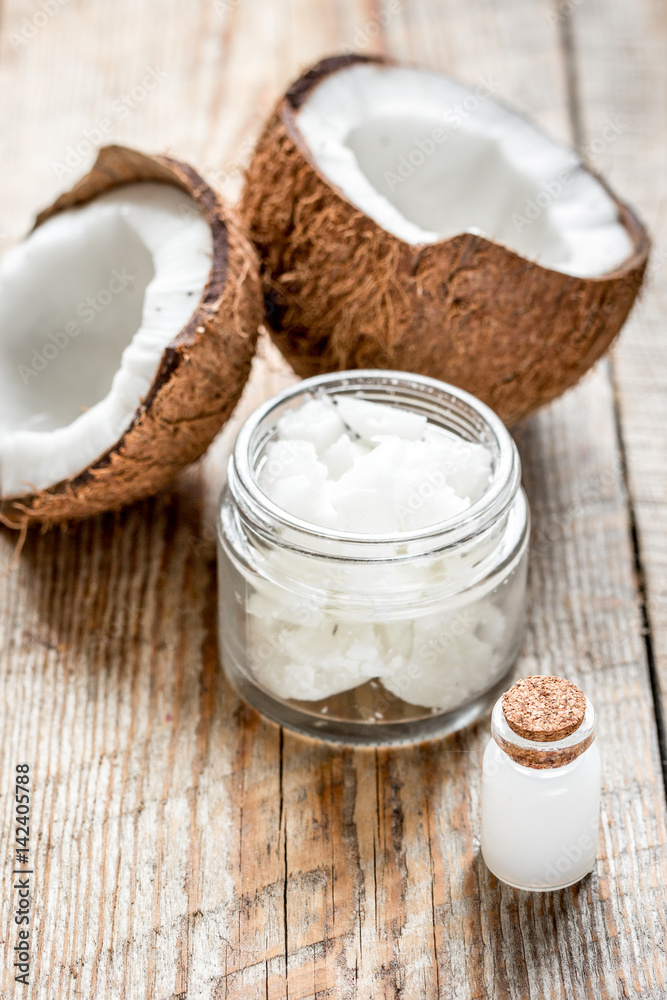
{"points": [[183, 846], [637, 102]]}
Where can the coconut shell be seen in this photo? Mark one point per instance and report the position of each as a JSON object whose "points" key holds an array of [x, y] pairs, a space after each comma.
{"points": [[201, 373], [342, 293]]}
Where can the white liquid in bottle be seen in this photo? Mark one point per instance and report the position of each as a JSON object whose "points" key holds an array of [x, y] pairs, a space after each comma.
{"points": [[541, 795]]}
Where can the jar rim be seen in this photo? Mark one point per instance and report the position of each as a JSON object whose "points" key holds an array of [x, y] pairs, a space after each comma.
{"points": [[498, 496]]}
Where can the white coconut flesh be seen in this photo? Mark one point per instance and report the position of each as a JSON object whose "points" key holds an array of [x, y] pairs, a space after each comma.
{"points": [[88, 304], [427, 159]]}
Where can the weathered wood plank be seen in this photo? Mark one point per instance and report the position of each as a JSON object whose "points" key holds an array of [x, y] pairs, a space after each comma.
{"points": [[185, 847], [623, 80]]}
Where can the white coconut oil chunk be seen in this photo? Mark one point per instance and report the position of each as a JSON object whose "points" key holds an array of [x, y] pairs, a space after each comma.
{"points": [[365, 468], [88, 304], [427, 158]]}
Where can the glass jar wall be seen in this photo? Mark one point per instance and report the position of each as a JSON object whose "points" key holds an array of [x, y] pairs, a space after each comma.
{"points": [[365, 638]]}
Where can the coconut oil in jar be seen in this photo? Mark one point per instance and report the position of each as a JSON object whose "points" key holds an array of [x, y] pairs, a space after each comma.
{"points": [[541, 786], [372, 558]]}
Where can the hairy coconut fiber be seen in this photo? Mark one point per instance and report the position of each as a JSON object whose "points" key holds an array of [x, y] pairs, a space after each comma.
{"points": [[200, 376], [341, 292]]}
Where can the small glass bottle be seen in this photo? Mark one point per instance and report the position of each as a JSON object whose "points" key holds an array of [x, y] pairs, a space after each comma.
{"points": [[541, 781]]}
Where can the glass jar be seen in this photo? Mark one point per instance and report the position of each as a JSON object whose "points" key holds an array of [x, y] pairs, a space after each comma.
{"points": [[540, 804], [363, 638]]}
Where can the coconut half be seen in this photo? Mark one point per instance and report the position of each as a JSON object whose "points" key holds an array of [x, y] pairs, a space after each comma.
{"points": [[406, 221], [128, 323]]}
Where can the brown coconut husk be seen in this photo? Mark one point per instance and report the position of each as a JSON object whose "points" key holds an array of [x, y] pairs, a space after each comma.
{"points": [[201, 373], [342, 293]]}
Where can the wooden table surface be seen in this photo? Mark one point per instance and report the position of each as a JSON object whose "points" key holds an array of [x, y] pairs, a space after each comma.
{"points": [[184, 847]]}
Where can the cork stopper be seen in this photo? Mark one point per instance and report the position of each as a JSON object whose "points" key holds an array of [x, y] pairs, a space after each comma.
{"points": [[544, 709]]}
